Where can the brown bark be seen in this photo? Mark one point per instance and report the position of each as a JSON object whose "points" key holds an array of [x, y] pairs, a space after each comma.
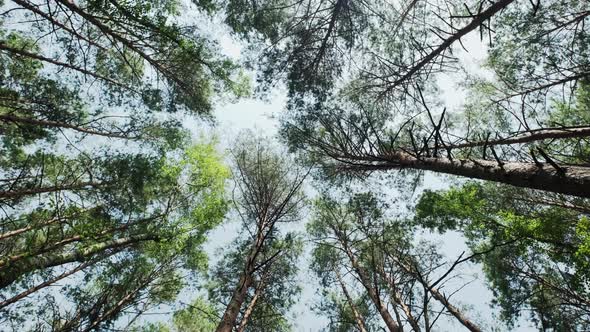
{"points": [[397, 299], [251, 306], [474, 24], [54, 124], [230, 316], [530, 136], [392, 326], [454, 310], [569, 180], [32, 264], [357, 317], [232, 310]]}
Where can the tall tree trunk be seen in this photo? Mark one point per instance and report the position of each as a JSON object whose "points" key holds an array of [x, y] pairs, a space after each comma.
{"points": [[230, 316], [357, 317], [228, 321], [392, 326], [55, 124], [397, 299], [530, 136], [15, 271], [251, 306], [570, 180]]}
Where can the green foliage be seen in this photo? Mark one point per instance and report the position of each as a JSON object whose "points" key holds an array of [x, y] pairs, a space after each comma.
{"points": [[533, 245]]}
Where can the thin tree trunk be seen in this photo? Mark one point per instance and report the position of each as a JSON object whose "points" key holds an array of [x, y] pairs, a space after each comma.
{"points": [[230, 316], [42, 190], [55, 124], [357, 317], [364, 278], [47, 283], [75, 238], [474, 24], [397, 299], [570, 180], [35, 9], [454, 310], [21, 52], [530, 136], [441, 298], [15, 271], [251, 306], [16, 232]]}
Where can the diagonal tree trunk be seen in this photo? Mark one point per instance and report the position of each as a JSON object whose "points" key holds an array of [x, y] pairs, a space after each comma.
{"points": [[251, 306], [357, 317], [569, 180], [392, 326], [397, 299], [15, 271]]}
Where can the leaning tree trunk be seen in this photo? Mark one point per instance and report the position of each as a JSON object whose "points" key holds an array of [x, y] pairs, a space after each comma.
{"points": [[251, 306], [563, 179], [230, 316], [12, 272], [397, 299], [458, 314], [233, 308], [392, 326], [357, 317]]}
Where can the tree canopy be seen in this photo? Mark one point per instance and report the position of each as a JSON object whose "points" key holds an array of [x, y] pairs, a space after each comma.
{"points": [[409, 130]]}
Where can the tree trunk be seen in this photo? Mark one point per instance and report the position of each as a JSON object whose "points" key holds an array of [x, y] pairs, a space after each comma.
{"points": [[397, 299], [233, 308], [42, 190], [55, 124], [569, 180], [251, 307], [357, 317], [454, 310], [15, 271], [477, 21], [530, 136], [42, 285], [441, 298], [392, 326]]}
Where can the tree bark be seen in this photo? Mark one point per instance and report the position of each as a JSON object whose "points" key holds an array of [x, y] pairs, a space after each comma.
{"points": [[233, 308], [392, 326], [569, 180], [251, 306], [530, 136], [453, 310], [357, 317], [55, 124], [15, 271], [397, 299]]}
